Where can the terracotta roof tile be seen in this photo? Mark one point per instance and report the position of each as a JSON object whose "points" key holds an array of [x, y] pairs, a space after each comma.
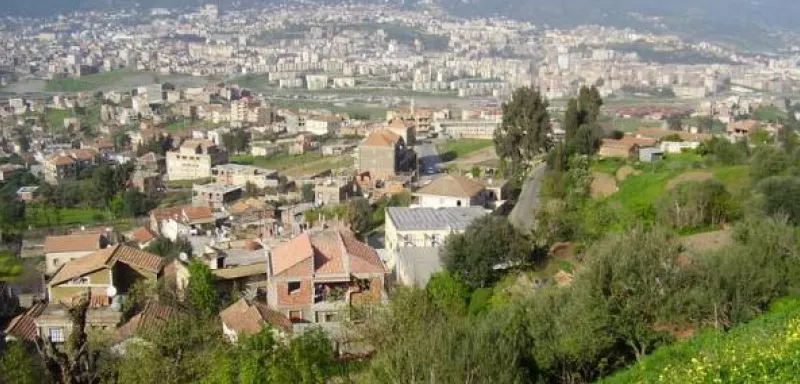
{"points": [[382, 138], [453, 186], [250, 318], [72, 243], [153, 314], [198, 213], [23, 327], [329, 253], [291, 253], [105, 258], [363, 258], [138, 258], [142, 235]]}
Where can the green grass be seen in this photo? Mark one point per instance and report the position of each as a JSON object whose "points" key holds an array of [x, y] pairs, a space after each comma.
{"points": [[638, 194], [55, 117], [453, 149], [609, 165], [86, 83], [628, 124], [186, 184], [279, 161], [40, 218], [764, 350], [374, 112]]}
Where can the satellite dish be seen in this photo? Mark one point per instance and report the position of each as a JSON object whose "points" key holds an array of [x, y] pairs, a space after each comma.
{"points": [[183, 257], [111, 291]]}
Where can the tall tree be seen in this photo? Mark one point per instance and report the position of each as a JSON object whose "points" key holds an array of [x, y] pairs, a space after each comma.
{"points": [[201, 292], [359, 216], [589, 103], [525, 129], [17, 366], [75, 363], [489, 245], [572, 119]]}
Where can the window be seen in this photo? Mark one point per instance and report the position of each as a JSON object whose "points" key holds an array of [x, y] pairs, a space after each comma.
{"points": [[295, 315], [327, 317], [294, 287], [82, 280], [56, 335]]}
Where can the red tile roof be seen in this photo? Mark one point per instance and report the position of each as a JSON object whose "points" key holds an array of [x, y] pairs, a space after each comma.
{"points": [[142, 235], [105, 259], [23, 327], [250, 318], [72, 243], [382, 138], [153, 314], [291, 253], [335, 252]]}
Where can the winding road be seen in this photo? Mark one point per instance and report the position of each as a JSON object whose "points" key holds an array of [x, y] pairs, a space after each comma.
{"points": [[522, 216]]}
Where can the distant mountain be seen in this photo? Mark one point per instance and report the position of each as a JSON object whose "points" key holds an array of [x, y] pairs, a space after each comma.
{"points": [[742, 22]]}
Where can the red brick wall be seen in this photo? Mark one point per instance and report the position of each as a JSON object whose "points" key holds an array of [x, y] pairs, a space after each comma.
{"points": [[303, 296], [371, 296]]}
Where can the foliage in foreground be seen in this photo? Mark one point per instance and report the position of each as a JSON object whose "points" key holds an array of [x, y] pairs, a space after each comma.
{"points": [[765, 350]]}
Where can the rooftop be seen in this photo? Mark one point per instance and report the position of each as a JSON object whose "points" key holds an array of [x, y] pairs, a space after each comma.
{"points": [[215, 188], [420, 219], [452, 186], [72, 243]]}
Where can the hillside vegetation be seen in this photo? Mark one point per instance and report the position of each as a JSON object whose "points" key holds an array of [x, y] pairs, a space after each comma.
{"points": [[766, 350]]}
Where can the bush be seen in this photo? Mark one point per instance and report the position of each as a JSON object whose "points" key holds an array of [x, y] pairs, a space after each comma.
{"points": [[696, 204]]}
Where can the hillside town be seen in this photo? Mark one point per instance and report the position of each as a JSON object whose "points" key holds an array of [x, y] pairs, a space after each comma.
{"points": [[231, 176], [379, 48]]}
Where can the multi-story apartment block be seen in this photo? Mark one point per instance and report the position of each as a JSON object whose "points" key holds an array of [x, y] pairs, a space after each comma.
{"points": [[384, 154], [194, 160]]}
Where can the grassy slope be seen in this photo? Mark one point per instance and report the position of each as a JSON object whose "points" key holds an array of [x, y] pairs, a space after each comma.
{"points": [[309, 162], [453, 149], [765, 350], [638, 193], [86, 83]]}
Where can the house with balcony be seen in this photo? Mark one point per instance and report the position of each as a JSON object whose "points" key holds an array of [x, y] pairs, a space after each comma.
{"points": [[315, 279]]}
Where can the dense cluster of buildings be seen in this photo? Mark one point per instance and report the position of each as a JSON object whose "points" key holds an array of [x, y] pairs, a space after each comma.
{"points": [[379, 47]]}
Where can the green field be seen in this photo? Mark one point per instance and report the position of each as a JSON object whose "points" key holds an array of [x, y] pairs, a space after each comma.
{"points": [[638, 194], [39, 217], [186, 184], [87, 83], [373, 112], [628, 124], [307, 163], [453, 149], [766, 350]]}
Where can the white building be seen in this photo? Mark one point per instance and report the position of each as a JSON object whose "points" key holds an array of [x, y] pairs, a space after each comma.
{"points": [[194, 160]]}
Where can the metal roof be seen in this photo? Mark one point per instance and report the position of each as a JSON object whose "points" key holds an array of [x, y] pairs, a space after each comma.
{"points": [[418, 219]]}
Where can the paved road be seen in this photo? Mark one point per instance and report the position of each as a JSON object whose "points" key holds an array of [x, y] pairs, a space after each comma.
{"points": [[428, 159], [522, 216]]}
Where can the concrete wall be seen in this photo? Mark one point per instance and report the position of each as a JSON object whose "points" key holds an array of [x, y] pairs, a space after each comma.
{"points": [[54, 260]]}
